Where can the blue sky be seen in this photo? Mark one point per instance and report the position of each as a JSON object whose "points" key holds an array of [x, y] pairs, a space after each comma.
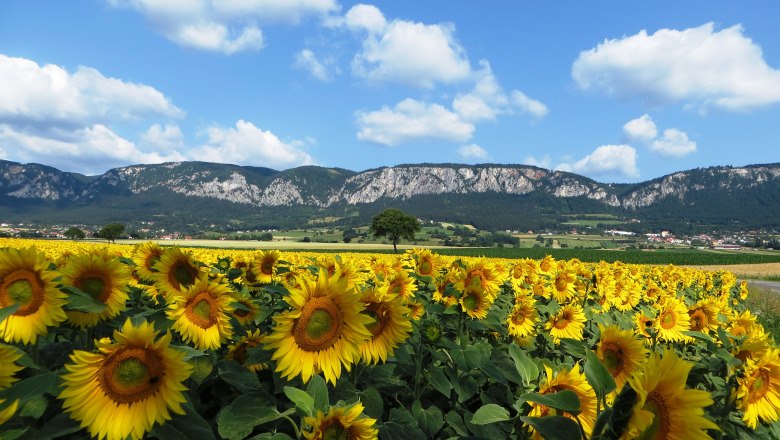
{"points": [[619, 91]]}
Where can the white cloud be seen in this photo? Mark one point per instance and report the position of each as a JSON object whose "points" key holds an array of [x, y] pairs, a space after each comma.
{"points": [[641, 129], [247, 144], [165, 138], [306, 60], [411, 53], [487, 99], [412, 120], [88, 150], [673, 143], [607, 159], [365, 17], [544, 162], [52, 95], [227, 26], [528, 105], [700, 67], [473, 152]]}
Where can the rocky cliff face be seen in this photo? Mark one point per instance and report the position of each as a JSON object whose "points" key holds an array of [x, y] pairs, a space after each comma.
{"points": [[323, 187]]}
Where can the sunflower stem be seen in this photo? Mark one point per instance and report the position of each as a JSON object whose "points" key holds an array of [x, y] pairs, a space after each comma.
{"points": [[294, 425]]}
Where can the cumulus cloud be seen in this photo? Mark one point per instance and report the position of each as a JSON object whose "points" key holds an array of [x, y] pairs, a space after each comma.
{"points": [[607, 159], [544, 162], [487, 99], [307, 60], [641, 129], [701, 67], [165, 138], [247, 144], [89, 150], [473, 153], [52, 95], [674, 143], [416, 54], [412, 120], [365, 17], [226, 26]]}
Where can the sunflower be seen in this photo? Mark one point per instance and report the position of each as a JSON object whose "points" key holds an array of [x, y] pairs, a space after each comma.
{"points": [[703, 317], [8, 367], [547, 264], [238, 351], [341, 423], [102, 277], [26, 280], [146, 256], [643, 324], [390, 326], [561, 285], [200, 314], [567, 323], [416, 310], [479, 274], [322, 332], [441, 293], [129, 385], [620, 352], [672, 320], [266, 265], [342, 269], [248, 312], [759, 389], [476, 302], [426, 263], [176, 271], [522, 320], [665, 408], [523, 273], [399, 284], [572, 380]]}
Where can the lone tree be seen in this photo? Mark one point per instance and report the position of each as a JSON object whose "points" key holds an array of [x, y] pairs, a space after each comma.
{"points": [[75, 233], [395, 225], [111, 231]]}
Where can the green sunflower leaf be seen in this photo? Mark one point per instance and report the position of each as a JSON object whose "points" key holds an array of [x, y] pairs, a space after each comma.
{"points": [[554, 427], [490, 413], [8, 311], [564, 400], [82, 301]]}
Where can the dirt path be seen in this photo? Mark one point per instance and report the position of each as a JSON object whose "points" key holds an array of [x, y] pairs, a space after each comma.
{"points": [[771, 285]]}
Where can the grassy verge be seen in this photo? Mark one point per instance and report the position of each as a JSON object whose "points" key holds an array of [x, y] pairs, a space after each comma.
{"points": [[765, 304]]}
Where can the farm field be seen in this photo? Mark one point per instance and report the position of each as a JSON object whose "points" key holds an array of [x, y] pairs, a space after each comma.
{"points": [[116, 341]]}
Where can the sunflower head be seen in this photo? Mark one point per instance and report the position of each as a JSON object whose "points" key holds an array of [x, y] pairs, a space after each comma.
{"points": [[201, 314], [621, 353], [322, 332], [26, 281], [104, 278], [568, 322], [759, 389], [146, 256], [133, 382], [176, 271], [341, 423]]}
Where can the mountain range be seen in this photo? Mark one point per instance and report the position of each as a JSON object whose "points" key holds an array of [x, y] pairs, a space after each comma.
{"points": [[191, 195]]}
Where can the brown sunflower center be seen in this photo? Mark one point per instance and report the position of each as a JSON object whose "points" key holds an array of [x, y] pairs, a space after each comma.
{"points": [[519, 316], [759, 386], [182, 274], [22, 287], [319, 325], [659, 429], [151, 260], [241, 313], [267, 267], [475, 281], [471, 301], [93, 285], [131, 374], [378, 312], [562, 321], [699, 320], [561, 284], [333, 430], [613, 358], [201, 310], [425, 268], [668, 319]]}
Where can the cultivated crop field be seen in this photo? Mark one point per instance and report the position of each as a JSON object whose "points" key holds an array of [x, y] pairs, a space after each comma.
{"points": [[120, 341]]}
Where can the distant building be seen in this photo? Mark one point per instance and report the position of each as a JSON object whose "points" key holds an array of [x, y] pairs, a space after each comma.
{"points": [[620, 233]]}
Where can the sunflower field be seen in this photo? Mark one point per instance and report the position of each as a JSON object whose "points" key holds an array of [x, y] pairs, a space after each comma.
{"points": [[116, 342]]}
